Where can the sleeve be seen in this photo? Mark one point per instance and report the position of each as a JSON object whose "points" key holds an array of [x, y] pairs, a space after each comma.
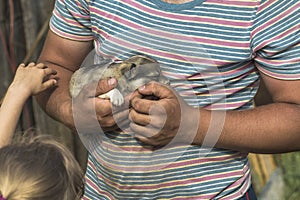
{"points": [[276, 39], [71, 19]]}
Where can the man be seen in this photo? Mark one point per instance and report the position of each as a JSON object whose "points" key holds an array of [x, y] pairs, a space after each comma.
{"points": [[192, 140]]}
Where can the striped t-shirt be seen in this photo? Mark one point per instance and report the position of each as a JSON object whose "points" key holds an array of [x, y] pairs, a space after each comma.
{"points": [[212, 51]]}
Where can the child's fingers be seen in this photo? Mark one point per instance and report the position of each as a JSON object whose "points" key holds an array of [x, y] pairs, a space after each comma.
{"points": [[32, 64], [49, 71], [22, 65], [41, 65], [49, 83]]}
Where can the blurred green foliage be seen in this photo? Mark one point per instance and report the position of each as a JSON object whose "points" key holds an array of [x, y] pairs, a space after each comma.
{"points": [[290, 165]]}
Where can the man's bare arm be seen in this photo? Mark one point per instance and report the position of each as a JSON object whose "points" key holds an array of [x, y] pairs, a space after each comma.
{"points": [[272, 128], [64, 56]]}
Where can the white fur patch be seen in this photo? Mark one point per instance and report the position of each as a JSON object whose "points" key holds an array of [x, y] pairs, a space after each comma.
{"points": [[115, 96]]}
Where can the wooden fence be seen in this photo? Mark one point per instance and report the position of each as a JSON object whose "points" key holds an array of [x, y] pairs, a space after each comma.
{"points": [[23, 27]]}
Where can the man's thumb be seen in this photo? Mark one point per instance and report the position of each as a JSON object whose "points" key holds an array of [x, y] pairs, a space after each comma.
{"points": [[105, 85]]}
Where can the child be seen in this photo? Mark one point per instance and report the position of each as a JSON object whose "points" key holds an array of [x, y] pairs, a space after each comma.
{"points": [[40, 168]]}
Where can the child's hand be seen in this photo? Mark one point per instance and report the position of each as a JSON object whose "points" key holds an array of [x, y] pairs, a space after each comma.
{"points": [[33, 79]]}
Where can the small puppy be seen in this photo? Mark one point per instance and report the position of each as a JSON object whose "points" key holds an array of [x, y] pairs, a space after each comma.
{"points": [[131, 73]]}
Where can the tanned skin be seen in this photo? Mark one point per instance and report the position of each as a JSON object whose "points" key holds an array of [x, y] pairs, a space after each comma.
{"points": [[272, 128]]}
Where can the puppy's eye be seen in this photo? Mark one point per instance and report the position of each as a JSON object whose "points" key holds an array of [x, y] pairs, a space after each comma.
{"points": [[132, 66]]}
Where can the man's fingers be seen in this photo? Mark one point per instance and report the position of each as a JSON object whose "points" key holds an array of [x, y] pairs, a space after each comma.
{"points": [[141, 119], [96, 89], [155, 120], [132, 96], [145, 106], [111, 121], [154, 89], [143, 131], [142, 105], [103, 107], [105, 85]]}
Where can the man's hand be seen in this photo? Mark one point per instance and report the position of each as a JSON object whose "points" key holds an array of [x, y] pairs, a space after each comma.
{"points": [[93, 114], [157, 122]]}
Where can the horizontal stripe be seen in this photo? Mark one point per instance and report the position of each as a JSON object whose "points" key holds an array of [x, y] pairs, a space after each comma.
{"points": [[212, 51]]}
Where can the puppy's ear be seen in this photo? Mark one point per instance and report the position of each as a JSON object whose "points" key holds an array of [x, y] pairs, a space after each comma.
{"points": [[140, 60], [126, 66]]}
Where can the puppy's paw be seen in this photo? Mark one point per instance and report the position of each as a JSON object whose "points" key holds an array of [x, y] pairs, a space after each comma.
{"points": [[115, 96]]}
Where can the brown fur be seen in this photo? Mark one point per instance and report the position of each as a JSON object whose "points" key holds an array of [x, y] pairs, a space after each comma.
{"points": [[130, 74]]}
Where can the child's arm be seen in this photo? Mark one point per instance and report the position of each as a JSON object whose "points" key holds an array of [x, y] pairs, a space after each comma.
{"points": [[29, 80]]}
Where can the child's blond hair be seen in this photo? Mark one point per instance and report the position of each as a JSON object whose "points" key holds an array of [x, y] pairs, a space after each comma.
{"points": [[39, 169]]}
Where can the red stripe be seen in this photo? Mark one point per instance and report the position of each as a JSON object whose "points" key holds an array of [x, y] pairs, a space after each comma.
{"points": [[235, 3], [247, 196], [275, 20], [194, 18], [162, 33]]}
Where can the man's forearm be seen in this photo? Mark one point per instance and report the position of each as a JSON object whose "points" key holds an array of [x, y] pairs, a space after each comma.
{"points": [[57, 102], [64, 56], [57, 106], [273, 128]]}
